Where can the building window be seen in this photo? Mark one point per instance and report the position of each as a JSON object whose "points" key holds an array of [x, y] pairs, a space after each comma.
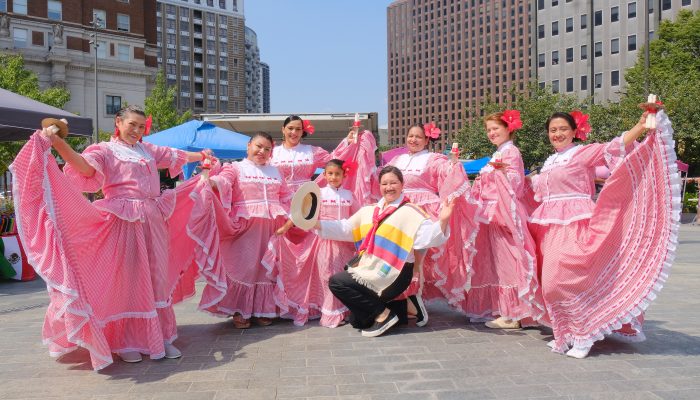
{"points": [[101, 16], [614, 46], [598, 80], [113, 104], [651, 6], [570, 54], [685, 3], [222, 4], [614, 78], [540, 60], [555, 86], [54, 10], [19, 37], [584, 82], [555, 3], [555, 57], [3, 5], [584, 21], [101, 49], [569, 85], [540, 4], [598, 49], [666, 5], [19, 6], [614, 14], [555, 28], [584, 52], [123, 23], [569, 24], [540, 31], [598, 18], [123, 52], [632, 9], [631, 42]]}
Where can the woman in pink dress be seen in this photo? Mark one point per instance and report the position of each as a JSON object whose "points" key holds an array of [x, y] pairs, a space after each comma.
{"points": [[430, 179], [302, 291], [232, 222], [504, 281], [602, 263], [108, 265]]}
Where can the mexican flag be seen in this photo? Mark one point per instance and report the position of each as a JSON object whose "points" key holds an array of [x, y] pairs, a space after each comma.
{"points": [[14, 264]]}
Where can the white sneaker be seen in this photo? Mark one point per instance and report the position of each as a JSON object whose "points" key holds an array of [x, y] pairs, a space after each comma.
{"points": [[551, 343], [578, 352], [130, 356], [502, 323], [171, 351]]}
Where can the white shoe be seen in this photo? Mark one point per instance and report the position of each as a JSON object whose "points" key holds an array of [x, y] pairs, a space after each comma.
{"points": [[171, 351], [551, 343], [130, 356], [578, 352], [502, 323]]}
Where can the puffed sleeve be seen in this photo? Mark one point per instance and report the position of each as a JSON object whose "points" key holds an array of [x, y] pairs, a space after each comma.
{"points": [[450, 178], [609, 154], [226, 179], [167, 157]]}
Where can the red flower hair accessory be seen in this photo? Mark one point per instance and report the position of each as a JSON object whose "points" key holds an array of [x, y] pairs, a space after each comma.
{"points": [[431, 131], [349, 167], [582, 125], [307, 127], [147, 129], [512, 120]]}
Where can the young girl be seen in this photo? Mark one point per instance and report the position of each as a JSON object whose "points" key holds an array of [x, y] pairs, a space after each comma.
{"points": [[302, 282]]}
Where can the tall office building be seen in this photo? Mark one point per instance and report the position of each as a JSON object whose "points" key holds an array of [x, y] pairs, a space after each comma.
{"points": [[583, 46], [253, 73], [265, 71], [201, 47], [54, 38], [445, 56]]}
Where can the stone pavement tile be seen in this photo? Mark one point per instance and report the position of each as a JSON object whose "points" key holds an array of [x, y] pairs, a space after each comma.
{"points": [[594, 376], [198, 376], [377, 377], [367, 388], [276, 382], [362, 368], [265, 362], [426, 386], [256, 373], [522, 391], [160, 387], [185, 396], [247, 394], [641, 385], [464, 363], [452, 373], [570, 389], [404, 350], [434, 356], [335, 379], [296, 355], [616, 396], [331, 361], [305, 371], [208, 386], [687, 394], [479, 382], [655, 363], [538, 379], [403, 396], [416, 366], [379, 359], [684, 383], [649, 373], [686, 371], [122, 396], [306, 391], [475, 394]]}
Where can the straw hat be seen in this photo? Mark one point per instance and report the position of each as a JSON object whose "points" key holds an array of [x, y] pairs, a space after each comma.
{"points": [[60, 124], [306, 206]]}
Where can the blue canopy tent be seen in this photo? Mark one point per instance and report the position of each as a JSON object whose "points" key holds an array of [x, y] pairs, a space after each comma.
{"points": [[199, 135], [474, 166]]}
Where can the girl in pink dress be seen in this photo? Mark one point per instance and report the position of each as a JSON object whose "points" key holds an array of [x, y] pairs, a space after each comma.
{"points": [[602, 263], [430, 179], [504, 281], [109, 266], [232, 226], [302, 291]]}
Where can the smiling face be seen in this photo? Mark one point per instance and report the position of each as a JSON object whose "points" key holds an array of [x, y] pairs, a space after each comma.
{"points": [[390, 187], [259, 150], [561, 134], [416, 140], [292, 133], [131, 127], [334, 175], [497, 133]]}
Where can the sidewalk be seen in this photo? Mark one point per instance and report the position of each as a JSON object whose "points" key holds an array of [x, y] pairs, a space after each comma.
{"points": [[448, 359]]}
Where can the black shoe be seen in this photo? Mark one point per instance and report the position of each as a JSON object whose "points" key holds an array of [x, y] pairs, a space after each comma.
{"points": [[380, 327], [422, 316]]}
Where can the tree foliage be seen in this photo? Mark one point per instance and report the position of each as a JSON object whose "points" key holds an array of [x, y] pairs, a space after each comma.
{"points": [[160, 104]]}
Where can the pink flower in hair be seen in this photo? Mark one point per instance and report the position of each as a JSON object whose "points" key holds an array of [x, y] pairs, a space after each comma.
{"points": [[582, 125], [512, 120], [431, 130], [307, 127]]}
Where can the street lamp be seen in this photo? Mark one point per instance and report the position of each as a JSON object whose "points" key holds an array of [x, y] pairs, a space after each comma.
{"points": [[96, 22]]}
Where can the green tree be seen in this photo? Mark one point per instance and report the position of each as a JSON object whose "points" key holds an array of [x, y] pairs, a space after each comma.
{"points": [[674, 75], [161, 105]]}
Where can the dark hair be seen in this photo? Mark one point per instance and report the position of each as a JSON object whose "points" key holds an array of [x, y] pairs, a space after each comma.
{"points": [[263, 135], [295, 118], [129, 109], [338, 163], [569, 119], [390, 169], [419, 126]]}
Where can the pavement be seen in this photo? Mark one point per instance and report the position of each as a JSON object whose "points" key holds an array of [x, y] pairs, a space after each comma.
{"points": [[448, 359]]}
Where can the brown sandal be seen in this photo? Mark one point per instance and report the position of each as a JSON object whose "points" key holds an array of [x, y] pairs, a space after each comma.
{"points": [[240, 323], [262, 321]]}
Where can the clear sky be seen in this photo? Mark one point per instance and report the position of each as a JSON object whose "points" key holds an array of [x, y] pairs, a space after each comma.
{"points": [[324, 55]]}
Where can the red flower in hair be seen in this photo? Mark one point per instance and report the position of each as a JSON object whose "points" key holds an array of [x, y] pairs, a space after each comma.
{"points": [[349, 167], [307, 127], [582, 125], [431, 130], [512, 120], [149, 122]]}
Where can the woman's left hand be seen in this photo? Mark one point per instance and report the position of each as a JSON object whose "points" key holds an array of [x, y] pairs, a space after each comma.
{"points": [[446, 210]]}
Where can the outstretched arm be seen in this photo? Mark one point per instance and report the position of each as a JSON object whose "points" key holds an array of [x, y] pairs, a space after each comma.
{"points": [[633, 134], [68, 154]]}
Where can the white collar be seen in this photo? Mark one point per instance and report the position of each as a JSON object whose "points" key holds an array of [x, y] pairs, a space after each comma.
{"points": [[394, 203]]}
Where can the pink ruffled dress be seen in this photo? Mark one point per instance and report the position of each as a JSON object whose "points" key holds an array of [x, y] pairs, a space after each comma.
{"points": [[504, 279], [108, 265], [298, 164], [429, 179], [601, 264], [232, 227], [302, 291]]}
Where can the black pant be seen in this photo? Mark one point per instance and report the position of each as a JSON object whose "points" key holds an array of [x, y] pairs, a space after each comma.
{"points": [[364, 303]]}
